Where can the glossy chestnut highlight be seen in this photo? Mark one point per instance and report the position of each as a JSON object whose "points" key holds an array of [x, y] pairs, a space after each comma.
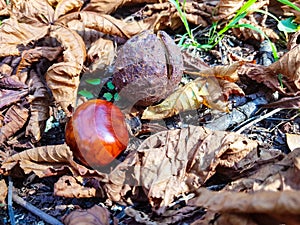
{"points": [[97, 133]]}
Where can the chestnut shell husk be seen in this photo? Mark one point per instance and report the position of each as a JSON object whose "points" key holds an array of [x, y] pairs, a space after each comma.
{"points": [[141, 70]]}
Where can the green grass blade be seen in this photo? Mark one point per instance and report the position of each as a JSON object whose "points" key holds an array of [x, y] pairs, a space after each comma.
{"points": [[249, 26], [290, 4]]}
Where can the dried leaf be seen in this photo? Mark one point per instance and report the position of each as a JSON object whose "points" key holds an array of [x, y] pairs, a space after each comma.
{"points": [[212, 91], [65, 6], [3, 192], [12, 82], [173, 162], [107, 7], [96, 215], [34, 55], [63, 77], [48, 161], [16, 116], [39, 108], [293, 141], [282, 206], [287, 65], [69, 187], [101, 54], [15, 34], [188, 97], [226, 8], [107, 24], [33, 11], [9, 97]]}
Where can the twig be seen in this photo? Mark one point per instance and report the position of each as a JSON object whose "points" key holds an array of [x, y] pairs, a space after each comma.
{"points": [[11, 213], [44, 216], [248, 125]]}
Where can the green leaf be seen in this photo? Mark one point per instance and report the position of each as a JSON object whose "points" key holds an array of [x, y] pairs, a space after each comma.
{"points": [[86, 94], [287, 25], [116, 96], [95, 81], [108, 96], [110, 85]]}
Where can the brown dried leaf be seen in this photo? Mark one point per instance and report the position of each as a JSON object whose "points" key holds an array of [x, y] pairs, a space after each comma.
{"points": [[11, 82], [9, 97], [211, 89], [226, 8], [63, 77], [15, 117], [34, 55], [107, 7], [287, 65], [48, 161], [173, 162], [246, 33], [3, 192], [39, 108], [108, 24], [169, 18], [33, 11], [15, 34], [293, 141], [69, 187], [280, 206], [101, 54], [96, 215], [65, 6]]}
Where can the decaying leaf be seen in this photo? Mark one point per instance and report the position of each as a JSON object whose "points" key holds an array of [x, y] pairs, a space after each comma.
{"points": [[3, 192], [39, 108], [293, 141], [210, 89], [101, 54], [268, 206], [173, 162], [15, 119], [69, 187], [285, 71], [226, 8], [96, 215], [14, 35]]}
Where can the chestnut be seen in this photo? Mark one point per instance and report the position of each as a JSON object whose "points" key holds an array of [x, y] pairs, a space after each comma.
{"points": [[97, 133]]}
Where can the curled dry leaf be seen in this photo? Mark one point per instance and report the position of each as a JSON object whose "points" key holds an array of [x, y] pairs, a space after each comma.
{"points": [[63, 77], [96, 215], [65, 6], [107, 7], [69, 187], [286, 66], [3, 192], [281, 206], [226, 8], [173, 162], [101, 54], [48, 161], [107, 24], [9, 97], [210, 89], [31, 12], [15, 34], [15, 117], [39, 108]]}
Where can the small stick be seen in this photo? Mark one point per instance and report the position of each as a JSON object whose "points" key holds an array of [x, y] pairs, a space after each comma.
{"points": [[11, 213], [248, 125], [44, 216]]}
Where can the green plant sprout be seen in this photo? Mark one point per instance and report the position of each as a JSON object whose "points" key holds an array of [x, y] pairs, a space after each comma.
{"points": [[214, 36]]}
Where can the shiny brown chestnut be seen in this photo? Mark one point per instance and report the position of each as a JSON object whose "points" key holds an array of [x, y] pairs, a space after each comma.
{"points": [[97, 133]]}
